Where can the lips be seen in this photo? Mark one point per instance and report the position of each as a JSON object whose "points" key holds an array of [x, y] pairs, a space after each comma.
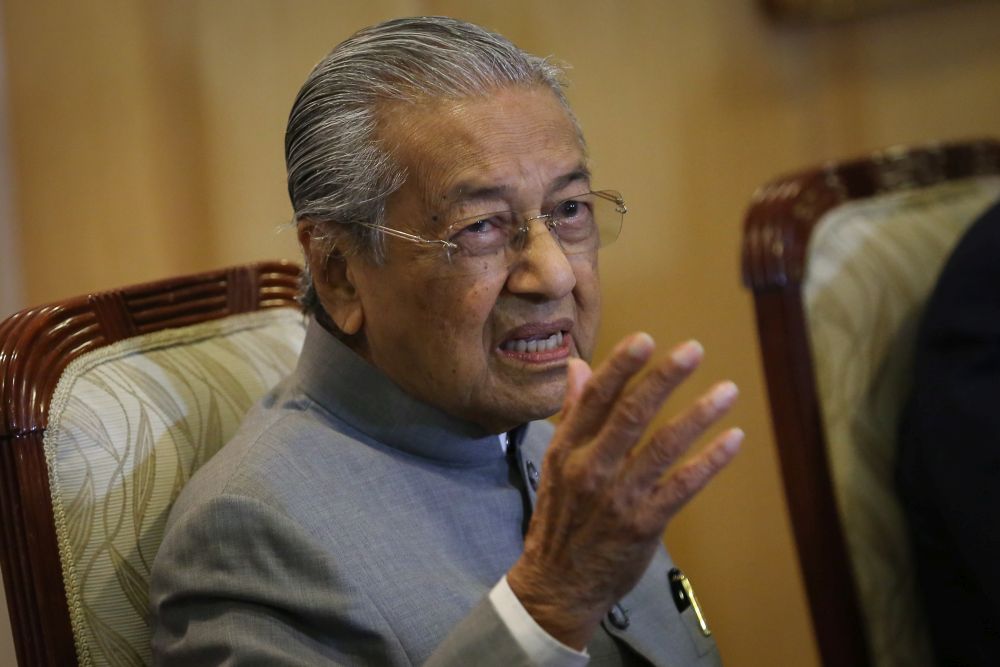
{"points": [[538, 341]]}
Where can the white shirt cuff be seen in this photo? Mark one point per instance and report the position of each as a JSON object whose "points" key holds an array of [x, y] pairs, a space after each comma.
{"points": [[543, 649]]}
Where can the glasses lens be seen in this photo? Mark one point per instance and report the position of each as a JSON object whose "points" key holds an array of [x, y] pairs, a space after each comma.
{"points": [[582, 224], [588, 221], [483, 236]]}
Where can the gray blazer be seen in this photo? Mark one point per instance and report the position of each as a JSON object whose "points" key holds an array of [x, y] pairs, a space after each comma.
{"points": [[347, 523]]}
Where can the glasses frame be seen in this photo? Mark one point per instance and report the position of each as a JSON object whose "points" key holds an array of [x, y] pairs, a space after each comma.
{"points": [[449, 247]]}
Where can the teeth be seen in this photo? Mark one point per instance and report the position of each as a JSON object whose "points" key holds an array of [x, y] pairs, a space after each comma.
{"points": [[544, 345]]}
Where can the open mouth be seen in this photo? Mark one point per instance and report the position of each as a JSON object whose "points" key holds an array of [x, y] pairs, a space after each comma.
{"points": [[539, 341], [534, 344]]}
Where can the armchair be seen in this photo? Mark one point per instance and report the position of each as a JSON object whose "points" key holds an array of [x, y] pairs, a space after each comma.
{"points": [[840, 259], [108, 403]]}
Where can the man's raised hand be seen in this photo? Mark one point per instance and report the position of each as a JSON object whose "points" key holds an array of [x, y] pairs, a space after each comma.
{"points": [[606, 496]]}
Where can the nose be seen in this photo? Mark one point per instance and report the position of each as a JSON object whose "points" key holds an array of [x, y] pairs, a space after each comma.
{"points": [[541, 268]]}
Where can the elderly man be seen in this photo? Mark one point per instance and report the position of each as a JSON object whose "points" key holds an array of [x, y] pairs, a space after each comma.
{"points": [[396, 501]]}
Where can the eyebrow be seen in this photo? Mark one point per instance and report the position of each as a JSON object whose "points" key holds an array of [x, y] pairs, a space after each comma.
{"points": [[465, 192]]}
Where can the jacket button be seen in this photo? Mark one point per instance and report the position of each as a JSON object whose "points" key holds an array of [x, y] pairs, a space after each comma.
{"points": [[618, 616], [533, 475]]}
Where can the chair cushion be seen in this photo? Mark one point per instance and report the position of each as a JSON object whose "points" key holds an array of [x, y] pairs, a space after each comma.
{"points": [[128, 425], [871, 267]]}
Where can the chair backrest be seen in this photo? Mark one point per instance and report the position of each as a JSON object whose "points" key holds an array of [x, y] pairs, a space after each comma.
{"points": [[109, 403], [840, 259]]}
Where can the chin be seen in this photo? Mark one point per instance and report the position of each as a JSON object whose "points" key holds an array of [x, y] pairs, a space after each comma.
{"points": [[520, 401], [530, 410]]}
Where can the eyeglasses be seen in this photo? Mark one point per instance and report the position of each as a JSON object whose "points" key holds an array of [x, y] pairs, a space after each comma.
{"points": [[580, 224]]}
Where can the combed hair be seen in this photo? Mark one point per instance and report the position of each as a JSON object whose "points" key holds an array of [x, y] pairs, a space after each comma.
{"points": [[338, 173]]}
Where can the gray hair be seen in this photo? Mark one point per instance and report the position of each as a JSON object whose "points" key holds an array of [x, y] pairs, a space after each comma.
{"points": [[337, 170]]}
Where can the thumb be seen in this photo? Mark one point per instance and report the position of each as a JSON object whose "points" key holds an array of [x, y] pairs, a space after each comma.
{"points": [[577, 374]]}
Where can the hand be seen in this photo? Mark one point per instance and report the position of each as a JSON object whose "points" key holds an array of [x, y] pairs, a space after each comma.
{"points": [[604, 499]]}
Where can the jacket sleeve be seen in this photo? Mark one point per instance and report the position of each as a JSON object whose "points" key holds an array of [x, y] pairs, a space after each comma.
{"points": [[949, 451]]}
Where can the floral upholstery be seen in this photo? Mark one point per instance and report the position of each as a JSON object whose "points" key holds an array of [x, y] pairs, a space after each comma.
{"points": [[128, 425], [871, 266]]}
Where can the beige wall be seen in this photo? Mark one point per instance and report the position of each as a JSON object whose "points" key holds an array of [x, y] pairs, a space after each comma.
{"points": [[147, 141], [11, 294]]}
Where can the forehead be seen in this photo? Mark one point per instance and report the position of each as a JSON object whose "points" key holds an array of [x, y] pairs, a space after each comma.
{"points": [[519, 141]]}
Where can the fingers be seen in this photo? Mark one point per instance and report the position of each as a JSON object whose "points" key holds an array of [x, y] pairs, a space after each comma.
{"points": [[685, 481], [636, 409], [669, 443], [598, 396], [598, 404]]}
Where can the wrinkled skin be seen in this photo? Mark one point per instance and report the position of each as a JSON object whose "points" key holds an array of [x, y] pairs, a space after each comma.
{"points": [[605, 499]]}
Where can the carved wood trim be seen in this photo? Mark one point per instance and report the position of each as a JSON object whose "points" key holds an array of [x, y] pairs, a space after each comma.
{"points": [[776, 233], [798, 430], [782, 213], [112, 315], [824, 11], [36, 345]]}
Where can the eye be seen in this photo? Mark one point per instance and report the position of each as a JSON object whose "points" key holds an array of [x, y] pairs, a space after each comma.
{"points": [[481, 235], [573, 220], [478, 227], [568, 209], [572, 210]]}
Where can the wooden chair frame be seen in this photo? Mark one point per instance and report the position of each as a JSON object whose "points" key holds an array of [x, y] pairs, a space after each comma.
{"points": [[777, 228], [36, 345]]}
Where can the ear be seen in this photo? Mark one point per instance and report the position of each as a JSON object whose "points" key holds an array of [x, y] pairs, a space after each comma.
{"points": [[332, 277]]}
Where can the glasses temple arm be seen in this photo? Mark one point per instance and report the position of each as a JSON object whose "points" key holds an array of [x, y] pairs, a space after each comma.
{"points": [[406, 236]]}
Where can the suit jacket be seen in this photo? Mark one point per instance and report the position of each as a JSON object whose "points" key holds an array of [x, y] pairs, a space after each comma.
{"points": [[948, 469], [348, 523]]}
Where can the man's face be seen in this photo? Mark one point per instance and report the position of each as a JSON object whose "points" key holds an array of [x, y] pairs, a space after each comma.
{"points": [[451, 340]]}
